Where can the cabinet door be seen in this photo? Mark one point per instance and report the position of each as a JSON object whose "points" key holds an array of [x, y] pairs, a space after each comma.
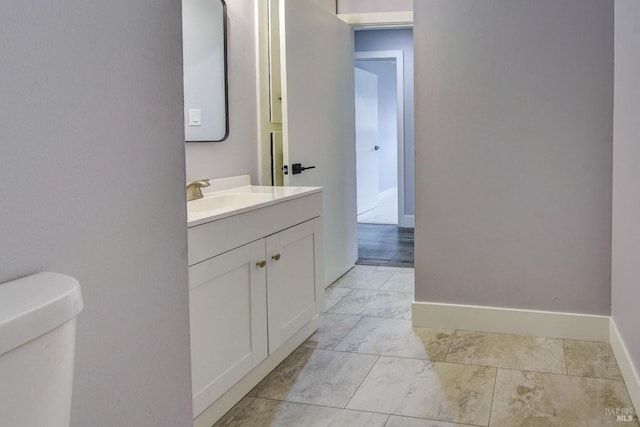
{"points": [[294, 269], [227, 307]]}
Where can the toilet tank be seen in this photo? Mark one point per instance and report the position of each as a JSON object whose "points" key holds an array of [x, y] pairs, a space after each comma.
{"points": [[37, 346]]}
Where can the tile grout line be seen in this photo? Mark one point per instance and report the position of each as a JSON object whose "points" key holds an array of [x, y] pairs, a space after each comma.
{"points": [[317, 405], [563, 375], [368, 289], [435, 420], [493, 396], [239, 413], [395, 269], [369, 315], [390, 293], [453, 337], [524, 336], [332, 348], [564, 354], [465, 364], [393, 273], [362, 382], [345, 335], [374, 290], [334, 304]]}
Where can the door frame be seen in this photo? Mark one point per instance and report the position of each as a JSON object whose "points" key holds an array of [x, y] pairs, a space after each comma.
{"points": [[378, 20], [397, 55]]}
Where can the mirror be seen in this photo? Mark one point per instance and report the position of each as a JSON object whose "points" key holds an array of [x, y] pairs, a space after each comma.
{"points": [[204, 51]]}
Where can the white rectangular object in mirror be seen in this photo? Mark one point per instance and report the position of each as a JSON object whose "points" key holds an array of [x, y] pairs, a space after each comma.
{"points": [[204, 25]]}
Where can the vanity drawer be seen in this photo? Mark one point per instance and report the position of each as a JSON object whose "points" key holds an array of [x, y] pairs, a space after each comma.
{"points": [[216, 237]]}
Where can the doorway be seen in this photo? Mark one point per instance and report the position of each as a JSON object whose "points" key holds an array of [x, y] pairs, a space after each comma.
{"points": [[383, 76], [379, 99]]}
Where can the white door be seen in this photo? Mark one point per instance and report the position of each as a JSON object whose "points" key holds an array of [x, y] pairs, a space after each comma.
{"points": [[318, 117], [366, 96]]}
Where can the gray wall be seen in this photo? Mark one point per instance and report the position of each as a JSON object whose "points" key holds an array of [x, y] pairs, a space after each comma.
{"points": [[514, 153], [238, 154], [398, 39], [92, 173], [329, 5], [368, 6], [626, 176]]}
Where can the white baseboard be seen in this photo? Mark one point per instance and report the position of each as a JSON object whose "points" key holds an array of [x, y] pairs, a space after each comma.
{"points": [[511, 321], [407, 221], [625, 363]]}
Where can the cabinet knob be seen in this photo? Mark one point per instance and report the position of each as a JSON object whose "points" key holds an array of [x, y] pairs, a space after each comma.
{"points": [[276, 257], [261, 264]]}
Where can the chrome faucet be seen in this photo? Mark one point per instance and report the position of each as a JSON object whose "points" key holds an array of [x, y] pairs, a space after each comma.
{"points": [[194, 191]]}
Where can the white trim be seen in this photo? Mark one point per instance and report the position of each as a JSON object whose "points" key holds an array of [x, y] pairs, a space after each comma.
{"points": [[378, 19], [265, 127], [625, 363], [262, 85], [398, 57], [511, 321], [407, 221]]}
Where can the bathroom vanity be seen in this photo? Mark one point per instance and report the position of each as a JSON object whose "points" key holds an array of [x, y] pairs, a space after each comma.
{"points": [[255, 285]]}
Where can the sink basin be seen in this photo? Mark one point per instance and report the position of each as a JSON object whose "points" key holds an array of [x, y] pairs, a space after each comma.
{"points": [[227, 202], [235, 195]]}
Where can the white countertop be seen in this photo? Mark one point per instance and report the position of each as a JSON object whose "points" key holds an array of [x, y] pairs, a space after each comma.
{"points": [[240, 199]]}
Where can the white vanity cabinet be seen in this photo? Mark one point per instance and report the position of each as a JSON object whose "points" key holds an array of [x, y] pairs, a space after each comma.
{"points": [[228, 320], [255, 289]]}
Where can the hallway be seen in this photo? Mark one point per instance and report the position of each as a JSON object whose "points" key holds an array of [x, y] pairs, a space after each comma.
{"points": [[386, 212], [385, 245]]}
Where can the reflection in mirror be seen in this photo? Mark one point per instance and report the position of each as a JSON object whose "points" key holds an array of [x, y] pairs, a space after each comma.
{"points": [[204, 32]]}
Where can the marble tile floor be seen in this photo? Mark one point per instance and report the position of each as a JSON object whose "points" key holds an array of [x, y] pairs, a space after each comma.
{"points": [[367, 366]]}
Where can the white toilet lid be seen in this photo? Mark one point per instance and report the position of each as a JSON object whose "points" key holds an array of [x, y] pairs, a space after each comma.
{"points": [[35, 305]]}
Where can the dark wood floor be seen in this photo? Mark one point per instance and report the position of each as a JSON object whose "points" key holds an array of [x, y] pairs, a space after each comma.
{"points": [[387, 245]]}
